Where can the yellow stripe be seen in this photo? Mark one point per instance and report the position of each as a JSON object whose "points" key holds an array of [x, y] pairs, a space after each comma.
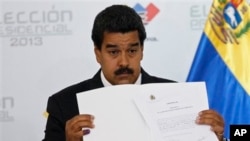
{"points": [[235, 51]]}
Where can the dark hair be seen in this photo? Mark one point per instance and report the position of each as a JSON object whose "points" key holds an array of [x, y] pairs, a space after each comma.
{"points": [[117, 18]]}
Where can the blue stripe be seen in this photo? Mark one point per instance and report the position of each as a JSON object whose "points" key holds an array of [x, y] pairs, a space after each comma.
{"points": [[225, 94]]}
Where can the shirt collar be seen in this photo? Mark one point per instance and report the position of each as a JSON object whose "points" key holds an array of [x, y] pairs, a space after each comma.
{"points": [[106, 83]]}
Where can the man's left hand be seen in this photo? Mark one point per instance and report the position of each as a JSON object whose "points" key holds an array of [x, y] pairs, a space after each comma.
{"points": [[214, 119]]}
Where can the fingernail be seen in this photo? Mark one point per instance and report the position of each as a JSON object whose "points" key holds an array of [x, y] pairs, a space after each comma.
{"points": [[86, 132], [211, 129], [197, 120]]}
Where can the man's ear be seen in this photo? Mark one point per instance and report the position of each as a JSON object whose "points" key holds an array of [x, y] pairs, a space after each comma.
{"points": [[142, 48], [97, 54]]}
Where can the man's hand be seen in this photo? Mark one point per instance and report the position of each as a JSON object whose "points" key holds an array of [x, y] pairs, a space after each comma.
{"points": [[74, 129], [214, 119]]}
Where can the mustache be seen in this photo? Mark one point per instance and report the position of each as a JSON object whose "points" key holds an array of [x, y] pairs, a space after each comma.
{"points": [[124, 70]]}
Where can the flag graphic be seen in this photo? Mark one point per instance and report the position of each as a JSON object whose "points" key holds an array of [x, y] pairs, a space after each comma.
{"points": [[222, 60]]}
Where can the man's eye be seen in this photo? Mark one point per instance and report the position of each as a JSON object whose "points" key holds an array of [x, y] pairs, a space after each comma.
{"points": [[113, 52], [132, 51]]}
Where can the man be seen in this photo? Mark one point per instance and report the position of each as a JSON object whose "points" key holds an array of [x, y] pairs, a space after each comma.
{"points": [[118, 35]]}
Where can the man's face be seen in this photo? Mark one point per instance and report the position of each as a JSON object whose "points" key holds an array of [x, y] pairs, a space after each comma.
{"points": [[120, 57]]}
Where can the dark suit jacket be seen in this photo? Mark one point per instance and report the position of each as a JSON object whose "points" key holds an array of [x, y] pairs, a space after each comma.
{"points": [[62, 106]]}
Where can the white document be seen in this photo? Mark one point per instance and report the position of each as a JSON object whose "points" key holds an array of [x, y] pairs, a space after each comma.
{"points": [[149, 112], [170, 111], [116, 116]]}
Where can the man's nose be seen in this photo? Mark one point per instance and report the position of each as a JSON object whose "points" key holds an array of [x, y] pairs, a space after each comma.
{"points": [[123, 59]]}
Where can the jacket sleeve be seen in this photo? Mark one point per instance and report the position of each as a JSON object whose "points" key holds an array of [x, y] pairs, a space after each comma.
{"points": [[55, 126]]}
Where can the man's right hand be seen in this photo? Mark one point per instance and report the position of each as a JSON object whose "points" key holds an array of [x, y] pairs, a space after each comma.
{"points": [[75, 127]]}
